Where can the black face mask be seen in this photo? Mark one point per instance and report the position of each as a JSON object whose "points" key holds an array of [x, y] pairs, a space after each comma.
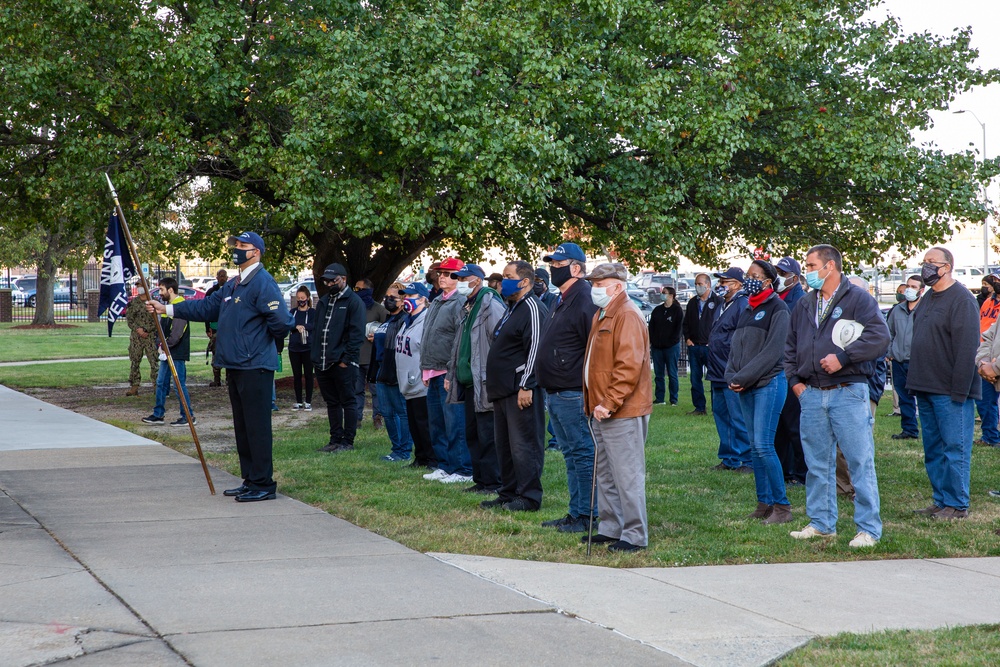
{"points": [[390, 303], [929, 274], [540, 289], [240, 256], [560, 274]]}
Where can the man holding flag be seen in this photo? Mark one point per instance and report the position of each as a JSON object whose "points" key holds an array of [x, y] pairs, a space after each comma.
{"points": [[251, 313]]}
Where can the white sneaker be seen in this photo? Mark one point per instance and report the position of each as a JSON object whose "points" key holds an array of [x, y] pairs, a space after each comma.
{"points": [[455, 478], [308, 407], [809, 533], [436, 475], [296, 406], [862, 540]]}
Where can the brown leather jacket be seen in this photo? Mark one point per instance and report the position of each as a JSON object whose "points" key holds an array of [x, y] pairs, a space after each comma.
{"points": [[616, 368]]}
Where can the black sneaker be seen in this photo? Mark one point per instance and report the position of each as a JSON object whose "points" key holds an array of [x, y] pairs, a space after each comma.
{"points": [[519, 505], [577, 525], [555, 523], [492, 504], [597, 538], [697, 413], [183, 422], [152, 419], [745, 470], [659, 402], [905, 436]]}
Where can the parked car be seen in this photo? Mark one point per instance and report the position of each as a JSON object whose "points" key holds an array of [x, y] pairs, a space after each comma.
{"points": [[970, 276], [645, 307], [653, 283], [183, 290], [27, 286], [290, 292], [634, 291], [202, 282]]}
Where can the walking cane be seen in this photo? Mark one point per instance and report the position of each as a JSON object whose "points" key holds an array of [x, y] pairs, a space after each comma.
{"points": [[593, 485]]}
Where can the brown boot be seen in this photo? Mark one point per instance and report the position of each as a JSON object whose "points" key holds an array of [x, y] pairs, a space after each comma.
{"points": [[762, 512], [781, 514], [133, 390]]}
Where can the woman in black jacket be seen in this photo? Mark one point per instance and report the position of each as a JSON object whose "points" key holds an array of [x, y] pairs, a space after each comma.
{"points": [[298, 347]]}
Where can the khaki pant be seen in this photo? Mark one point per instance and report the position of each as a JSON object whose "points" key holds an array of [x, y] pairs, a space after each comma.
{"points": [[621, 478]]}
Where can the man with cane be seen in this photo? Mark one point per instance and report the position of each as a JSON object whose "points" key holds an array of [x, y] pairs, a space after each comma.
{"points": [[618, 398], [251, 313]]}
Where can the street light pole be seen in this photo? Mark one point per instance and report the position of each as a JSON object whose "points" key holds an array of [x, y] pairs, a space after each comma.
{"points": [[986, 222]]}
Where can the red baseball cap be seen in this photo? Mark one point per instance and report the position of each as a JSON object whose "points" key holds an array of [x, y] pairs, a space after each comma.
{"points": [[451, 264]]}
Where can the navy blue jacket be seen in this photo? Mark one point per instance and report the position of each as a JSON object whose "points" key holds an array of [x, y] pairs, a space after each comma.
{"points": [[807, 344], [250, 316], [720, 339], [792, 295], [563, 343]]}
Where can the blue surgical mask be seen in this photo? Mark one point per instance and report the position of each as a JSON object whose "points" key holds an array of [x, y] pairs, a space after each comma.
{"points": [[814, 281], [509, 287]]}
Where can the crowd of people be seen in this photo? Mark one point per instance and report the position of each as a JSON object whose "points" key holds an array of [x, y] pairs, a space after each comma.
{"points": [[463, 369]]}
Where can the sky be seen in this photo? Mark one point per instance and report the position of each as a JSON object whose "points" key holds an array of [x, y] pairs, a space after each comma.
{"points": [[954, 132]]}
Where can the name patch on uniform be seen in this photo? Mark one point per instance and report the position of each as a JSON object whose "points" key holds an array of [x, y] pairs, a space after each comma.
{"points": [[837, 312], [759, 316], [273, 305]]}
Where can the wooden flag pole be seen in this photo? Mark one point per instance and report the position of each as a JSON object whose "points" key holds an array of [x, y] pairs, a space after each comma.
{"points": [[159, 332]]}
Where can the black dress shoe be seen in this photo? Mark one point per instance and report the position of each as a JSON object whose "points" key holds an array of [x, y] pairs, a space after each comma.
{"points": [[520, 505], [627, 547], [490, 504], [905, 436], [239, 491], [254, 496], [599, 539], [330, 447]]}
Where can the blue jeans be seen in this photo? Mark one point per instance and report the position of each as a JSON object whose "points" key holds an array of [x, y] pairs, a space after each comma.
{"points": [[666, 358], [907, 403], [840, 416], [947, 447], [447, 424], [570, 424], [761, 411], [163, 378], [734, 441], [988, 413], [697, 361], [393, 407]]}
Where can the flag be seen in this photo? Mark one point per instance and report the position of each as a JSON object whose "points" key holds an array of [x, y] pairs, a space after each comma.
{"points": [[116, 270]]}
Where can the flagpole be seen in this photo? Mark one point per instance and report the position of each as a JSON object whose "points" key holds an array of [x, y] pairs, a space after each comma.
{"points": [[159, 332]]}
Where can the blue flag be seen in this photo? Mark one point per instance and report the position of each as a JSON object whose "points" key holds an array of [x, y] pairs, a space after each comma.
{"points": [[116, 270]]}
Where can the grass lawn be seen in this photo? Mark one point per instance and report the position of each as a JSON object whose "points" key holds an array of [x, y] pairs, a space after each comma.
{"points": [[972, 646], [696, 515], [79, 341]]}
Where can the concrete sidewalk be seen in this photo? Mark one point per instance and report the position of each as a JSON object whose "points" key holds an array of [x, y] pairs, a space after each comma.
{"points": [[113, 552]]}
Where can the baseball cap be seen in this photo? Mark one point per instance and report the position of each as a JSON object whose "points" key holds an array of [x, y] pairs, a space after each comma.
{"points": [[732, 273], [451, 264], [608, 270], [253, 238], [418, 289], [333, 271], [566, 251], [789, 265], [470, 270]]}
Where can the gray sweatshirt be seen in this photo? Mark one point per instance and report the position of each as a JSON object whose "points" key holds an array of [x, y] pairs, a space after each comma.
{"points": [[900, 321], [444, 320], [408, 340]]}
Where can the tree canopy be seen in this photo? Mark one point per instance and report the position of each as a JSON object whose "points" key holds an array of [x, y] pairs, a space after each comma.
{"points": [[365, 133]]}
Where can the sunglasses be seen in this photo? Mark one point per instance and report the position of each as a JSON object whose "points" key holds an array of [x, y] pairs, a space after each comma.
{"points": [[446, 274]]}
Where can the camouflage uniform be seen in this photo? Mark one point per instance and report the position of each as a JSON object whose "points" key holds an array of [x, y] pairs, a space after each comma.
{"points": [[137, 318]]}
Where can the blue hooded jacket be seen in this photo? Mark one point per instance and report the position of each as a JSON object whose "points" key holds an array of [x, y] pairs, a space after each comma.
{"points": [[720, 339], [251, 316]]}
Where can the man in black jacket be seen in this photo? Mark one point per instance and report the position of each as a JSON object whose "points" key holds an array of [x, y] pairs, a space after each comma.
{"points": [[837, 334], [666, 324], [560, 373], [698, 322], [512, 387], [336, 350]]}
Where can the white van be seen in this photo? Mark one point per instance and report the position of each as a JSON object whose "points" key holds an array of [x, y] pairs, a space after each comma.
{"points": [[970, 276]]}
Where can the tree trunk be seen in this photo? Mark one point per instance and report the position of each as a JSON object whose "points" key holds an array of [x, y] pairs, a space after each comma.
{"points": [[380, 261], [44, 309]]}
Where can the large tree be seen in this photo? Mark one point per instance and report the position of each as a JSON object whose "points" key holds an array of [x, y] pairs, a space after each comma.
{"points": [[366, 132]]}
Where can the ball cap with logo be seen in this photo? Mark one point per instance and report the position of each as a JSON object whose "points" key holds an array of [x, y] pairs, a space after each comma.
{"points": [[253, 238], [566, 251]]}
